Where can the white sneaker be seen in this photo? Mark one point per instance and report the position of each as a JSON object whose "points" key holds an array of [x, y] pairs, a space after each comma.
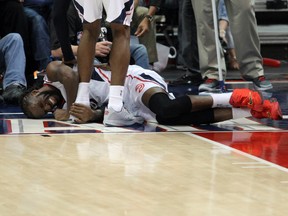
{"points": [[121, 118]]}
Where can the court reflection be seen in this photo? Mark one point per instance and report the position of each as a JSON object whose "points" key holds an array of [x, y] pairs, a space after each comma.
{"points": [[270, 146]]}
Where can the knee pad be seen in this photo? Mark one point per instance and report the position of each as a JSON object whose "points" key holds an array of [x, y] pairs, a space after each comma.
{"points": [[166, 108]]}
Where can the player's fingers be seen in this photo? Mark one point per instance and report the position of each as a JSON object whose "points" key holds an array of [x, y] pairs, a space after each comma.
{"points": [[76, 114], [78, 121]]}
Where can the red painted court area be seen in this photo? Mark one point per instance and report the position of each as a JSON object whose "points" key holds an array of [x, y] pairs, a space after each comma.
{"points": [[270, 146]]}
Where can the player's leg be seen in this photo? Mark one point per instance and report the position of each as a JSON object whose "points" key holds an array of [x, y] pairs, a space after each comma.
{"points": [[91, 14], [187, 109], [119, 61], [119, 14], [85, 56], [206, 116], [158, 101]]}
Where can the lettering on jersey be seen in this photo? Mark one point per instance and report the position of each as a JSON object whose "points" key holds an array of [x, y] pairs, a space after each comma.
{"points": [[139, 87]]}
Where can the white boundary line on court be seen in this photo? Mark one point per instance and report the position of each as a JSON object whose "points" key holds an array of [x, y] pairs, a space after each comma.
{"points": [[239, 152]]}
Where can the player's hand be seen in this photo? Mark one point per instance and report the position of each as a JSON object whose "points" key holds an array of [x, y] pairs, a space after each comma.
{"points": [[82, 113], [61, 114], [103, 48], [142, 28]]}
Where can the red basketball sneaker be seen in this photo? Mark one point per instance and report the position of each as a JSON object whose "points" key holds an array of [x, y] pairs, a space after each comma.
{"points": [[246, 98], [271, 110]]}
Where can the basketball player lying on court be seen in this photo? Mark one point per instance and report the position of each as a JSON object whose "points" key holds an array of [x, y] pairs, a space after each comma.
{"points": [[145, 96]]}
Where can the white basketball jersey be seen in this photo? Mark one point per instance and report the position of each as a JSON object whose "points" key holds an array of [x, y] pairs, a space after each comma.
{"points": [[138, 81]]}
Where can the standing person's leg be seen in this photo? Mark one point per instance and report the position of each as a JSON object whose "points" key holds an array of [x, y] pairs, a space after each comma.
{"points": [[247, 44], [189, 39], [189, 47], [119, 61], [207, 44], [119, 14], [116, 114], [85, 58], [120, 53], [91, 15]]}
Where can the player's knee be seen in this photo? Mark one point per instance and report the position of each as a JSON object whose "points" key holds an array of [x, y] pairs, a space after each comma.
{"points": [[162, 106], [164, 120], [167, 110], [120, 31]]}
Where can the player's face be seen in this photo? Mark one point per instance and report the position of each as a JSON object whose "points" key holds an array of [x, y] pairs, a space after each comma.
{"points": [[43, 101]]}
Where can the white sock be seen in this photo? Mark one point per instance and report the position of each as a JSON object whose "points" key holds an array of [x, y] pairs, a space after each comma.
{"points": [[83, 94], [221, 100], [240, 113], [116, 97]]}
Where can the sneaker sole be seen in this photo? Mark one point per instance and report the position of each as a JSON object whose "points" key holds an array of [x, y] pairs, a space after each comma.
{"points": [[262, 88], [137, 120], [208, 89]]}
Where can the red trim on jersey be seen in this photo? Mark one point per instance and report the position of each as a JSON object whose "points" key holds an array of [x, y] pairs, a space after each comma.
{"points": [[104, 75]]}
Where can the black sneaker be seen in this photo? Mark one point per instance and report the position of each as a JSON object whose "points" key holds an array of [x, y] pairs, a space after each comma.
{"points": [[260, 83], [193, 79], [12, 93]]}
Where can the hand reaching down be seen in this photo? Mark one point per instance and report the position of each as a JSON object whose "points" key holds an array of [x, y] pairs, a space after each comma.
{"points": [[84, 114]]}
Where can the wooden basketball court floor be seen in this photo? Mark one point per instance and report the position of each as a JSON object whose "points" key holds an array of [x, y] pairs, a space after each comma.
{"points": [[237, 167]]}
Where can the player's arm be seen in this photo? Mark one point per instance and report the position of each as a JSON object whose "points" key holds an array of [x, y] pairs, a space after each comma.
{"points": [[57, 53], [57, 71], [102, 49]]}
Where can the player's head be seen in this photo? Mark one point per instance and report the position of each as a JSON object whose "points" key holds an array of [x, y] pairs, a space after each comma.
{"points": [[36, 103]]}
